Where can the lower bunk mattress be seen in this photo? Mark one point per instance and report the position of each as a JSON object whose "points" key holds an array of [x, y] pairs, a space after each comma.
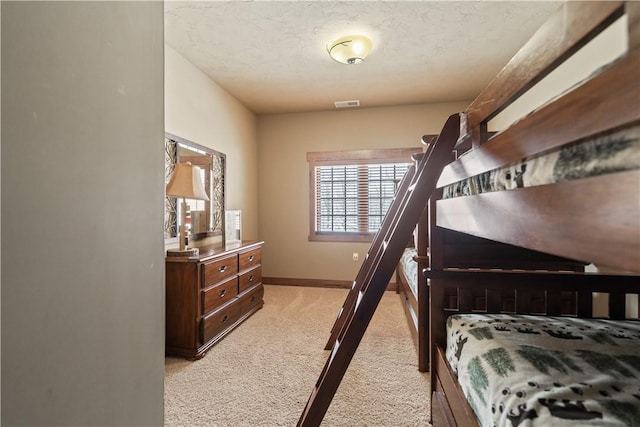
{"points": [[409, 269], [521, 370]]}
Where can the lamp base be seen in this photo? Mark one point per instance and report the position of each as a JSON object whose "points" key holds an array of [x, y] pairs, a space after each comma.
{"points": [[187, 252]]}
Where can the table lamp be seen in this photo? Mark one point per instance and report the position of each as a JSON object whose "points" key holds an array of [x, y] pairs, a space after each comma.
{"points": [[185, 182]]}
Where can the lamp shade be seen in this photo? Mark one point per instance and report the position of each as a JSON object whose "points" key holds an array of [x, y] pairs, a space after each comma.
{"points": [[350, 49], [186, 182]]}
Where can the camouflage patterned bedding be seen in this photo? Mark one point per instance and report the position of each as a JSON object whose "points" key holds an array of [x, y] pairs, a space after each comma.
{"points": [[518, 370], [616, 152], [410, 268]]}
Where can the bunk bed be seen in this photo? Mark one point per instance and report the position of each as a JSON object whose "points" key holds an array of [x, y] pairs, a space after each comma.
{"points": [[515, 221]]}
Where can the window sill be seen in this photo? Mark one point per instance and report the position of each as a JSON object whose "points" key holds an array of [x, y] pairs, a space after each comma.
{"points": [[342, 237]]}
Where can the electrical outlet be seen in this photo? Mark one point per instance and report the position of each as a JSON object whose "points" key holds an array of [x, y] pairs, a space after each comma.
{"points": [[355, 256]]}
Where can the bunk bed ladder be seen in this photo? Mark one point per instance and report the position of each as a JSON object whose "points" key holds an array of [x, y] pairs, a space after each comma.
{"points": [[378, 269], [374, 253]]}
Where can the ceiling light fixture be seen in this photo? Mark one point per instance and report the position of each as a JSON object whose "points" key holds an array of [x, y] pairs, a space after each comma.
{"points": [[350, 49]]}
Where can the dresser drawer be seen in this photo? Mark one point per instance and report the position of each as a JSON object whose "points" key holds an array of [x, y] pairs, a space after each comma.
{"points": [[249, 278], [250, 259], [217, 295], [219, 269], [251, 298], [220, 319]]}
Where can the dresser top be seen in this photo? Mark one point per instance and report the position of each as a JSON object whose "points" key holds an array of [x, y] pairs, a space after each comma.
{"points": [[213, 251]]}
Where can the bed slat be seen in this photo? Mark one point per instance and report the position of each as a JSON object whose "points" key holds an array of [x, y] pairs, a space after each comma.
{"points": [[465, 299], [494, 301], [523, 301], [617, 305], [553, 302], [585, 304]]}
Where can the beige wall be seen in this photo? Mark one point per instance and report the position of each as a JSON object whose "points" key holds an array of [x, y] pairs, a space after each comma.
{"points": [[283, 188], [199, 110], [82, 259]]}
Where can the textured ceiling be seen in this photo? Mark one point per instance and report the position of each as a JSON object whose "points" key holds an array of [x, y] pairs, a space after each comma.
{"points": [[271, 55]]}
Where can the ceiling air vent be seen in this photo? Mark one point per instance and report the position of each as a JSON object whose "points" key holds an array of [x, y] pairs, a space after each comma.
{"points": [[347, 104]]}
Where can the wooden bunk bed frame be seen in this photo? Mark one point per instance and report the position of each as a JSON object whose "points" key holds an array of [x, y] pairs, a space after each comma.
{"points": [[416, 307], [476, 241]]}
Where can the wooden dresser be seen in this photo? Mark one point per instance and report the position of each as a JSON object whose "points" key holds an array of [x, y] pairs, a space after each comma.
{"points": [[208, 295]]}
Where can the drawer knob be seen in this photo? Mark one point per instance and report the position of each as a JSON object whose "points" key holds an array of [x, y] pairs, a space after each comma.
{"points": [[250, 258], [222, 293], [251, 278], [253, 298], [225, 318], [222, 269]]}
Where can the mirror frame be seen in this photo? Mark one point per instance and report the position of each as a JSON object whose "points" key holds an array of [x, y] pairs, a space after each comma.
{"points": [[215, 189]]}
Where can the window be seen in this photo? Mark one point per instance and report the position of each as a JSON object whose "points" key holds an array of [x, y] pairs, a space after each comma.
{"points": [[351, 191]]}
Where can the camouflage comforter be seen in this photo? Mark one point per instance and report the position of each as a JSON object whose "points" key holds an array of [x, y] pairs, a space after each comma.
{"points": [[518, 370], [410, 268], [616, 152]]}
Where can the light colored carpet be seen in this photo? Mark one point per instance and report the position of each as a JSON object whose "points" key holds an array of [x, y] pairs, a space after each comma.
{"points": [[263, 372]]}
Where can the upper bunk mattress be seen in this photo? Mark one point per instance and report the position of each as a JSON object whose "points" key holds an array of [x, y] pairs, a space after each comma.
{"points": [[616, 152], [518, 370]]}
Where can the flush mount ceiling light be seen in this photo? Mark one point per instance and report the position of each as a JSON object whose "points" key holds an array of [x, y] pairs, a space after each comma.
{"points": [[350, 49]]}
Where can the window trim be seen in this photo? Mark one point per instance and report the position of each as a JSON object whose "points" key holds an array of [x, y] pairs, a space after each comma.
{"points": [[352, 157]]}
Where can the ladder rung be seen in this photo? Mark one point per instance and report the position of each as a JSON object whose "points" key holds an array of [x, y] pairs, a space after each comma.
{"points": [[358, 300], [336, 346]]}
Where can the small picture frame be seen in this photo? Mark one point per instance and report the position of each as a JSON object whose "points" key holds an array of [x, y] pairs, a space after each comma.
{"points": [[233, 227]]}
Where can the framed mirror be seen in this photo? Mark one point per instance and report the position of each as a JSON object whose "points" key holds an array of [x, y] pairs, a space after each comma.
{"points": [[205, 219]]}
